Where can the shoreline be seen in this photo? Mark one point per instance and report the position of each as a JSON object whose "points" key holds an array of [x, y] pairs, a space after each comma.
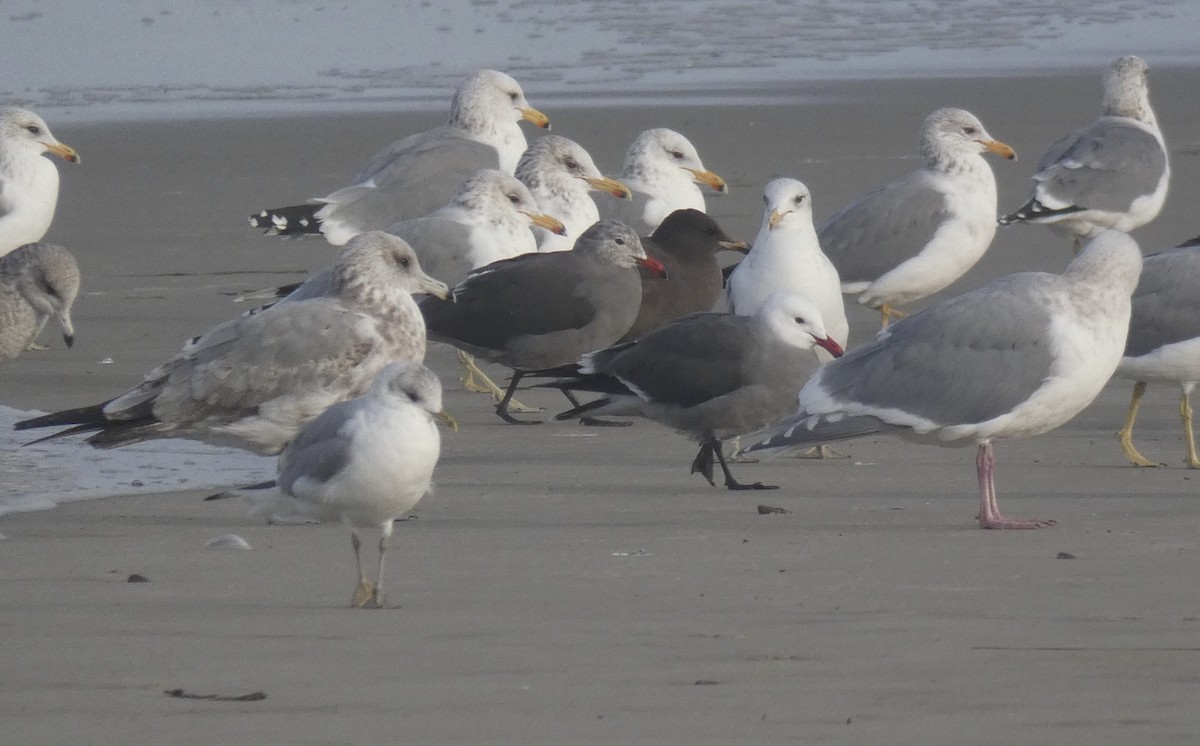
{"points": [[566, 585]]}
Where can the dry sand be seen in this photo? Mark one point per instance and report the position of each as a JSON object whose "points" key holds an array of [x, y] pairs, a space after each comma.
{"points": [[568, 585]]}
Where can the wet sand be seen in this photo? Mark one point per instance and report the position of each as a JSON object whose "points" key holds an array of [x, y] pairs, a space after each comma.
{"points": [[567, 585]]}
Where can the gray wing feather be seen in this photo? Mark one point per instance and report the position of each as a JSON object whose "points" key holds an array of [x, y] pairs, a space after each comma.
{"points": [[1166, 304], [320, 450], [1103, 167], [884, 228], [964, 361]]}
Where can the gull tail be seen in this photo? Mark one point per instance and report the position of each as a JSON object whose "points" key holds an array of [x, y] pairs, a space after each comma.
{"points": [[296, 220], [801, 430], [1034, 211], [92, 416]]}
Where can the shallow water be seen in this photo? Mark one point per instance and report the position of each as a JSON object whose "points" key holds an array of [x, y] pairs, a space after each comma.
{"points": [[145, 58]]}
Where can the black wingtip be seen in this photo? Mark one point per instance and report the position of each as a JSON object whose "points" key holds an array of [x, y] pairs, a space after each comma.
{"points": [[294, 220]]}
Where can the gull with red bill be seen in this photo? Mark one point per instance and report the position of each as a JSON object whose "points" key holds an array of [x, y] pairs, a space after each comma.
{"points": [[710, 376], [543, 310]]}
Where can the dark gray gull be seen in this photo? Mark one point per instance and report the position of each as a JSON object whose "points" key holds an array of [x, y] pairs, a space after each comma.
{"points": [[560, 175], [786, 257], [710, 376], [38, 281], [252, 382], [1015, 358], [916, 235], [365, 462], [28, 181], [686, 243], [420, 173], [543, 310], [1164, 339], [663, 169], [1113, 173]]}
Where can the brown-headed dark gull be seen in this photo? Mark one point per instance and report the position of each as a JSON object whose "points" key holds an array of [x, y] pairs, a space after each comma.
{"points": [[1015, 358], [420, 173], [686, 243], [663, 169], [38, 281], [561, 175], [786, 257], [252, 382], [916, 235], [1113, 173], [1164, 339], [543, 310], [365, 462], [710, 376], [28, 181]]}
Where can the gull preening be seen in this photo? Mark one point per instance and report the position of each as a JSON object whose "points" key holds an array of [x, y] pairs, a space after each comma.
{"points": [[252, 382], [918, 234], [28, 180], [420, 173], [38, 282], [1113, 173], [1015, 358]]}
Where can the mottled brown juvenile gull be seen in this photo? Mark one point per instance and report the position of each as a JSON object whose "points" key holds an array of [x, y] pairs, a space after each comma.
{"points": [[28, 181], [662, 168], [420, 173], [366, 462], [686, 243], [254, 381], [786, 257], [38, 281], [1015, 358], [711, 376], [916, 235], [560, 175], [1113, 173], [1164, 339], [543, 310]]}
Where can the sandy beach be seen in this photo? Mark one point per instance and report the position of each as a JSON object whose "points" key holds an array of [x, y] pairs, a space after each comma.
{"points": [[568, 585]]}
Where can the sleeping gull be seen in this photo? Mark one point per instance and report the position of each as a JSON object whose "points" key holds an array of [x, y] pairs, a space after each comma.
{"points": [[420, 173], [1015, 358], [1112, 173], [686, 243], [1164, 339], [786, 257], [916, 235], [543, 310], [711, 376], [560, 174], [253, 381], [366, 462], [28, 182], [662, 168], [37, 281]]}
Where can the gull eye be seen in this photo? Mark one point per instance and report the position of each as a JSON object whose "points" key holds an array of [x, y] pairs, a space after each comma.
{"points": [[402, 260], [765, 200], [620, 241], [412, 397], [970, 130], [571, 163], [514, 198], [513, 96], [800, 320], [677, 155], [799, 199], [33, 129]]}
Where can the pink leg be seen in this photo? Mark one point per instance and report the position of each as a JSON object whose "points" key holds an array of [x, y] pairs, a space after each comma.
{"points": [[989, 513]]}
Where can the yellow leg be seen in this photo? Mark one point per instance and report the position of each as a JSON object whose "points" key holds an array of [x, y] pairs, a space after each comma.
{"points": [[36, 347], [1125, 434], [890, 313], [475, 380], [1185, 414]]}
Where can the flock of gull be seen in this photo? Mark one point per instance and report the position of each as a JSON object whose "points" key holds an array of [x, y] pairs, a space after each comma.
{"points": [[620, 290]]}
